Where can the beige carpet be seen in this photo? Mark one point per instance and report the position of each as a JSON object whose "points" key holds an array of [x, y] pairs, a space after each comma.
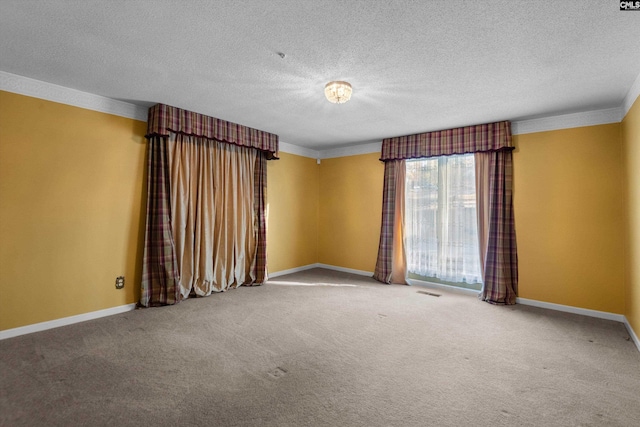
{"points": [[321, 348]]}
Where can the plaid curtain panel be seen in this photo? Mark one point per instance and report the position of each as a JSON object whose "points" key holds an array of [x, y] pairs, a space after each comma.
{"points": [[501, 262], [384, 262], [469, 139], [500, 278], [164, 119], [160, 267], [259, 266]]}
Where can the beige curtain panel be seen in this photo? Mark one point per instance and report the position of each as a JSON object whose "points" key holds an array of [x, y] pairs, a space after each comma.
{"points": [[213, 224], [206, 198]]}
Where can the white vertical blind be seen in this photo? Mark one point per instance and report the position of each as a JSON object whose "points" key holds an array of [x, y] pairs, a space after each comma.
{"points": [[440, 219]]}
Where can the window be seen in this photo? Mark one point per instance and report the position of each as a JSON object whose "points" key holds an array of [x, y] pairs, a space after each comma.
{"points": [[441, 234]]}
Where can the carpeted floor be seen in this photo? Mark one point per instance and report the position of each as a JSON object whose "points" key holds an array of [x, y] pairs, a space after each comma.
{"points": [[322, 348]]}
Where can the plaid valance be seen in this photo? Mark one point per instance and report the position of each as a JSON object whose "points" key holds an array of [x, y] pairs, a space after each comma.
{"points": [[164, 119], [468, 139]]}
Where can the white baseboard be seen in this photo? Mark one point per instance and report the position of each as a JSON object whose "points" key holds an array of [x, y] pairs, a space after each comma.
{"points": [[292, 270], [570, 309], [524, 301], [584, 312], [346, 270], [320, 265], [43, 326], [632, 333]]}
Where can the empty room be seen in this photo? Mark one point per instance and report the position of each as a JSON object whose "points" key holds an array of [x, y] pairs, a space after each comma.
{"points": [[319, 213]]}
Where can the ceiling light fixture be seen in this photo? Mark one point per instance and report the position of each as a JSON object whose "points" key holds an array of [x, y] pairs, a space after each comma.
{"points": [[338, 92]]}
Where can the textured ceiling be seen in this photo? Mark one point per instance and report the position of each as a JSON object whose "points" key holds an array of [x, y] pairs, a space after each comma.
{"points": [[415, 65]]}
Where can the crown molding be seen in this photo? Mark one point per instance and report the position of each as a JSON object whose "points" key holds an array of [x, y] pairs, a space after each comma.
{"points": [[354, 150], [373, 147], [64, 95], [631, 97], [297, 150], [567, 121]]}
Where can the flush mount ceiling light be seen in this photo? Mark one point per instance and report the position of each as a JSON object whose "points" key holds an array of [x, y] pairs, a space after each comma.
{"points": [[338, 92]]}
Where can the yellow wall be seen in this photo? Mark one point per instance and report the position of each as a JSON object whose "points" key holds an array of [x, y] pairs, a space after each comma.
{"points": [[72, 212], [71, 193], [568, 204], [292, 197], [631, 143], [350, 211], [568, 201]]}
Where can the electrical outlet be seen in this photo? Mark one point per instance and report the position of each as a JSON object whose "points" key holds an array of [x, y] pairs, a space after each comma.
{"points": [[119, 282]]}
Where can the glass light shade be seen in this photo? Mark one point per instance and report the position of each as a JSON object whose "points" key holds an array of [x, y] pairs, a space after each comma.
{"points": [[338, 92]]}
